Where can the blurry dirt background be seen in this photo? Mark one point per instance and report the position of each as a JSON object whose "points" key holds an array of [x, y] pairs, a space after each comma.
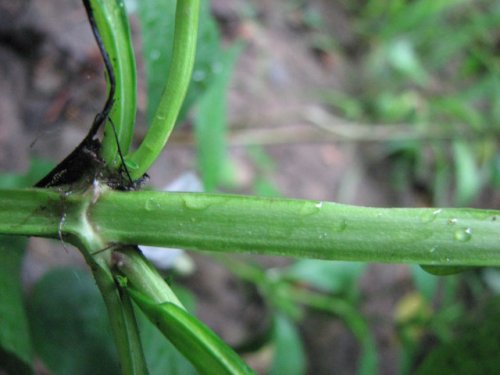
{"points": [[52, 85]]}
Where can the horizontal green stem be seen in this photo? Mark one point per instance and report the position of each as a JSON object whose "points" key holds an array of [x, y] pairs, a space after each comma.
{"points": [[297, 228]]}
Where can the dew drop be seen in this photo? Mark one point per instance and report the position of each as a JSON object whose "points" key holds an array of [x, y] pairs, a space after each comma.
{"points": [[463, 235], [309, 208], [430, 217], [195, 203], [217, 68], [151, 204], [199, 75], [154, 55]]}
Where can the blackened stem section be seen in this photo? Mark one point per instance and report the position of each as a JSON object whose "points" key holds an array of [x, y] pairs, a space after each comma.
{"points": [[86, 155], [103, 115]]}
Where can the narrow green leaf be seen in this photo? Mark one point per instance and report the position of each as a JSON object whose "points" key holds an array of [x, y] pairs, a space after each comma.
{"points": [[444, 270], [467, 177], [332, 277], [157, 18], [289, 357], [15, 341], [207, 352], [211, 124], [209, 60], [424, 282], [71, 331], [161, 356]]}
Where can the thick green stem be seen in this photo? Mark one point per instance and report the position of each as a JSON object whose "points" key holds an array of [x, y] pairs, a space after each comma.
{"points": [[298, 228], [179, 76]]}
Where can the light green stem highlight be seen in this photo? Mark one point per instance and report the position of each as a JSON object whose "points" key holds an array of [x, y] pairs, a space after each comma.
{"points": [[179, 76]]}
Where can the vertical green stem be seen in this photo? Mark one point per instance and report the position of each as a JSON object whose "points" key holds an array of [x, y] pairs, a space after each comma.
{"points": [[122, 319], [179, 76], [120, 311]]}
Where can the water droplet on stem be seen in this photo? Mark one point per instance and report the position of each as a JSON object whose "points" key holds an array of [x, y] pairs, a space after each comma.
{"points": [[463, 235]]}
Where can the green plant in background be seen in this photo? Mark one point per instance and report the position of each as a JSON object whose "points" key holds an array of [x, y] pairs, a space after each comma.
{"points": [[432, 66], [106, 224]]}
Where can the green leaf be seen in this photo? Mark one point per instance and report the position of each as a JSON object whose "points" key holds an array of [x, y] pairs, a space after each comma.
{"points": [[289, 357], [444, 270], [332, 277], [15, 341], [473, 351], [468, 180], [70, 326], [402, 56], [157, 18], [491, 277], [425, 282], [209, 61], [207, 352], [38, 169], [161, 356], [211, 124]]}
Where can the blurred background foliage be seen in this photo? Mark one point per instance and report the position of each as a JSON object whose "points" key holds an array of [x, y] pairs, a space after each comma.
{"points": [[432, 66]]}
